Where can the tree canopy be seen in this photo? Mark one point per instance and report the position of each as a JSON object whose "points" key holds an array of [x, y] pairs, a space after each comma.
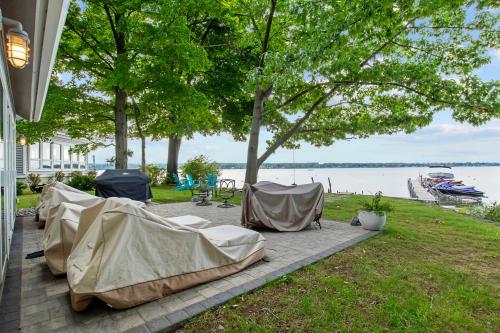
{"points": [[330, 70]]}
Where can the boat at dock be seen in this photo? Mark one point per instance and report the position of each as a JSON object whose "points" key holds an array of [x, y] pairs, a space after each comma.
{"points": [[441, 184]]}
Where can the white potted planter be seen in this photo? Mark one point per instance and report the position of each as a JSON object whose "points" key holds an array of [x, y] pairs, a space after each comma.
{"points": [[371, 220], [374, 213]]}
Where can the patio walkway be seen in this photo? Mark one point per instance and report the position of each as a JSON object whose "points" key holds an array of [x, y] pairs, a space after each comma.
{"points": [[35, 301]]}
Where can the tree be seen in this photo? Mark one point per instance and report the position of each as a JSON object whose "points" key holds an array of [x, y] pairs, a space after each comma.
{"points": [[179, 75], [329, 70]]}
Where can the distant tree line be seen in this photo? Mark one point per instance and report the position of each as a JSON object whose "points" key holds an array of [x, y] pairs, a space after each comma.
{"points": [[316, 165]]}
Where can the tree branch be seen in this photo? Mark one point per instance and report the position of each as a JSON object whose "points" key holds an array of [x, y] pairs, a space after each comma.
{"points": [[320, 100]]}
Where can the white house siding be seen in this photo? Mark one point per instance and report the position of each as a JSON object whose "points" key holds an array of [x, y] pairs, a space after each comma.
{"points": [[46, 158]]}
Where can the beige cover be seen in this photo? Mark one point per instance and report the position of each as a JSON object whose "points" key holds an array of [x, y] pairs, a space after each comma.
{"points": [[280, 207], [190, 221], [129, 256], [58, 185], [60, 229], [54, 196]]}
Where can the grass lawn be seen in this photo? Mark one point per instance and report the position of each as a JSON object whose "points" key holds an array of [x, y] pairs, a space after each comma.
{"points": [[431, 270]]}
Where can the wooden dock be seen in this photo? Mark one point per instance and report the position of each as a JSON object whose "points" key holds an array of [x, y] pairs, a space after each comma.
{"points": [[417, 191]]}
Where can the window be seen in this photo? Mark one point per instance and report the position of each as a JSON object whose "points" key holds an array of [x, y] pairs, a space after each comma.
{"points": [[74, 159], [67, 157], [82, 162], [56, 156], [34, 156], [46, 162]]}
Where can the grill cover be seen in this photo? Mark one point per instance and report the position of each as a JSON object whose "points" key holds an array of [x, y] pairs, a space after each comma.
{"points": [[280, 207], [132, 184]]}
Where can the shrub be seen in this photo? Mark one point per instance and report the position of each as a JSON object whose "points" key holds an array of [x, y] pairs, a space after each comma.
{"points": [[81, 181], [486, 211], [493, 212], [34, 180], [379, 208], [200, 167], [59, 176], [20, 186], [156, 174]]}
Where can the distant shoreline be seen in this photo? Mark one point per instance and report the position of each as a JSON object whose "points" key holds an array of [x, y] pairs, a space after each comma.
{"points": [[314, 165]]}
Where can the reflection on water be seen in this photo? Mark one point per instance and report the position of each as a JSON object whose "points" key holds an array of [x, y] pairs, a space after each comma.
{"points": [[391, 181]]}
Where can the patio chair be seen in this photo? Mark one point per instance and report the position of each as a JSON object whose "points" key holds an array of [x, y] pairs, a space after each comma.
{"points": [[180, 185], [227, 187], [211, 182], [192, 183]]}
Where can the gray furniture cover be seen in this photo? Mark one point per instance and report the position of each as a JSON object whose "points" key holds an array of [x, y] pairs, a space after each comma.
{"points": [[280, 207]]}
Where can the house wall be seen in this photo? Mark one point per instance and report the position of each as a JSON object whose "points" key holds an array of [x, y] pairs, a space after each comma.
{"points": [[7, 163], [46, 158]]}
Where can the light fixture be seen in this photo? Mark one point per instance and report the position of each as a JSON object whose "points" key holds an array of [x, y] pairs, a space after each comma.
{"points": [[17, 43], [21, 139]]}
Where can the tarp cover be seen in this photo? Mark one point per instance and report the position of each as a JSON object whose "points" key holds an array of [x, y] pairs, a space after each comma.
{"points": [[132, 184], [55, 196], [60, 229], [58, 185], [280, 207], [127, 256]]}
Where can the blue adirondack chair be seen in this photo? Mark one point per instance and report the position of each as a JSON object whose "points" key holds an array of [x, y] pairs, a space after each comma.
{"points": [[211, 182], [180, 185], [191, 183]]}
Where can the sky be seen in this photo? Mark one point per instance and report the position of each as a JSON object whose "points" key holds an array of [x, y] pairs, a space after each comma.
{"points": [[444, 140]]}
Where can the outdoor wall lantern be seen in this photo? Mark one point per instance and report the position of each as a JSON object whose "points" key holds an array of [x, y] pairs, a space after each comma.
{"points": [[18, 42]]}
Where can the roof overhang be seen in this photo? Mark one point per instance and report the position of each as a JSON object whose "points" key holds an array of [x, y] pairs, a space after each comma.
{"points": [[43, 20]]}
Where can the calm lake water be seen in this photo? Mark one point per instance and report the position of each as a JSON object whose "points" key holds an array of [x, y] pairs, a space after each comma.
{"points": [[391, 181]]}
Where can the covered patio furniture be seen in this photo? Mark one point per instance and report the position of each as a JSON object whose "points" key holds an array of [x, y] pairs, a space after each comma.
{"points": [[190, 221], [55, 196], [60, 229], [280, 207], [132, 184], [128, 256], [58, 185]]}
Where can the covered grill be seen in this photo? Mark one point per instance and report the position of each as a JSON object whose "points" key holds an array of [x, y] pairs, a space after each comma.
{"points": [[280, 207], [132, 184]]}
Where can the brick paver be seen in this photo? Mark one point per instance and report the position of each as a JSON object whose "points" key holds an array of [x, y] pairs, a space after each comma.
{"points": [[35, 301]]}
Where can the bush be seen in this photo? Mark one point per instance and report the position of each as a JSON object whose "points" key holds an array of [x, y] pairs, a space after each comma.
{"points": [[81, 181], [59, 176], [486, 211], [156, 174], [34, 180], [20, 186], [493, 212], [200, 167]]}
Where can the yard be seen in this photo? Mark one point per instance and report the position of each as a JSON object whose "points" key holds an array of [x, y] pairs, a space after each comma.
{"points": [[430, 270]]}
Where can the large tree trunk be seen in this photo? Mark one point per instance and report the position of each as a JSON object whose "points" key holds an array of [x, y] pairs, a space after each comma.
{"points": [[253, 141], [121, 158], [174, 145], [143, 153]]}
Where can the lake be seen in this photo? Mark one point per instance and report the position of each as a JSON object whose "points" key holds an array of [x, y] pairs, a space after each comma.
{"points": [[391, 181]]}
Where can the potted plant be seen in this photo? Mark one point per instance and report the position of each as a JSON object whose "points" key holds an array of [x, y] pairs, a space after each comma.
{"points": [[374, 213]]}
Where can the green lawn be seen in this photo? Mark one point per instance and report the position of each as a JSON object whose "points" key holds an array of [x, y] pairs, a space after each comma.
{"points": [[430, 270]]}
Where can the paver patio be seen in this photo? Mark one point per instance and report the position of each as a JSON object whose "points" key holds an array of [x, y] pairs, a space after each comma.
{"points": [[35, 301]]}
